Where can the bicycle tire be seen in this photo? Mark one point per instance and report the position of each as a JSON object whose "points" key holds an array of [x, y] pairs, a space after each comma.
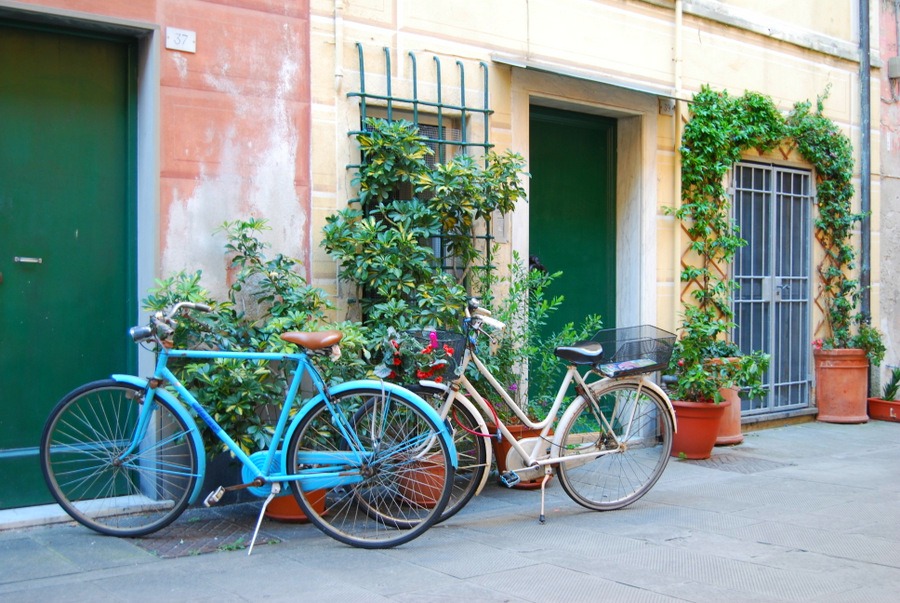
{"points": [[471, 449], [617, 479], [397, 491], [82, 445]]}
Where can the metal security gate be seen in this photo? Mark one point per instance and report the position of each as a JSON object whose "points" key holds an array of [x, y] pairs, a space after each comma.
{"points": [[773, 209]]}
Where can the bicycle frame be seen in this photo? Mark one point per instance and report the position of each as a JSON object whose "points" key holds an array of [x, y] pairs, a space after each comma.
{"points": [[330, 471], [534, 457]]}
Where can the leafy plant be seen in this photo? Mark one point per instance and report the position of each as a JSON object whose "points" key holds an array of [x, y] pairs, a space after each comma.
{"points": [[522, 348], [384, 242], [237, 392], [892, 386], [721, 127], [704, 363], [822, 143]]}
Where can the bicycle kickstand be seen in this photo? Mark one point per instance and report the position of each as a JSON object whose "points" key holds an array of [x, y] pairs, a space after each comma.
{"points": [[543, 518], [276, 490]]}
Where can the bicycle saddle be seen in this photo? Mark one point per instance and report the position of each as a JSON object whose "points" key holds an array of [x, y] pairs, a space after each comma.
{"points": [[313, 341], [582, 352]]}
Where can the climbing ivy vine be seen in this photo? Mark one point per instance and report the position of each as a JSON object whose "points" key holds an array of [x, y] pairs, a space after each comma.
{"points": [[721, 128]]}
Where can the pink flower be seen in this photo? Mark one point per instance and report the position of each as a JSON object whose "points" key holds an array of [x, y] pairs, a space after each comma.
{"points": [[434, 340], [817, 344]]}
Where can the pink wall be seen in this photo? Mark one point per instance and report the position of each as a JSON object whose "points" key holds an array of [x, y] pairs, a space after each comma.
{"points": [[233, 122]]}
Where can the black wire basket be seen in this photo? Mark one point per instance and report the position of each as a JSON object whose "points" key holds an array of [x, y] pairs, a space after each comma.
{"points": [[634, 350]]}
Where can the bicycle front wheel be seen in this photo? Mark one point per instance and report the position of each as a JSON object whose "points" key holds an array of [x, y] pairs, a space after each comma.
{"points": [[622, 445], [106, 476], [386, 481], [471, 448]]}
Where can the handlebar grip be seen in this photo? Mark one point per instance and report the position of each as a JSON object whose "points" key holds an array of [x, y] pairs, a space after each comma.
{"points": [[202, 307], [139, 334], [492, 322]]}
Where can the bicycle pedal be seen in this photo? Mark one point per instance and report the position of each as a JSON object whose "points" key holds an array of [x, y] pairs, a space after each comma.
{"points": [[510, 479], [214, 497]]}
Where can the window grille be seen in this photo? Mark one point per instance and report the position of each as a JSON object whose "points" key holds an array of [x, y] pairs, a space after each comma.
{"points": [[446, 121]]}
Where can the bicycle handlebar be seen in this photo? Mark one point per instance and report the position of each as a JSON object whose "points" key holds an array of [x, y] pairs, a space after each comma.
{"points": [[483, 315], [163, 325]]}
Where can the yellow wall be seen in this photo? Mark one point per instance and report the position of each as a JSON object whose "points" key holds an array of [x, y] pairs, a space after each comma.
{"points": [[592, 56]]}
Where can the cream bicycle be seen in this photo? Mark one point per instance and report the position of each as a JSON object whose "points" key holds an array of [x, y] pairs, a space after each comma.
{"points": [[612, 441]]}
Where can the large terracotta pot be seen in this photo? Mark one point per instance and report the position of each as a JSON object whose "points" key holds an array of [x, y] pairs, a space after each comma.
{"points": [[730, 426], [842, 379], [698, 428]]}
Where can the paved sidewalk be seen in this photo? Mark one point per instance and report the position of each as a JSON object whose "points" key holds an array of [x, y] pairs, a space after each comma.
{"points": [[801, 513]]}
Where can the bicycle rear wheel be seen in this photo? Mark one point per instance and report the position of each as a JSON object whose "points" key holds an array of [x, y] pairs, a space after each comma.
{"points": [[383, 489], [93, 475], [471, 449], [632, 426]]}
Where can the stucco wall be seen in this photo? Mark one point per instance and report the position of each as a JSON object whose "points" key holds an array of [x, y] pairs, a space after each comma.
{"points": [[889, 217], [605, 57], [256, 121], [223, 131]]}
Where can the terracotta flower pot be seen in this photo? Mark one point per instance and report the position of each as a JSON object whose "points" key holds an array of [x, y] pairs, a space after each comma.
{"points": [[730, 427], [698, 428], [287, 509], [841, 385], [884, 410], [423, 484], [503, 447]]}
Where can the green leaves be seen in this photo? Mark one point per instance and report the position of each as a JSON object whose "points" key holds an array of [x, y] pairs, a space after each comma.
{"points": [[389, 245], [235, 392]]}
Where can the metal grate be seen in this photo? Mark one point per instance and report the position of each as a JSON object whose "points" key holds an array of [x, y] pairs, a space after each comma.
{"points": [[445, 120], [773, 207]]}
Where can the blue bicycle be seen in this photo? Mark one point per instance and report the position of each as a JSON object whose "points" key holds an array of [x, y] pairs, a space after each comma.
{"points": [[124, 456]]}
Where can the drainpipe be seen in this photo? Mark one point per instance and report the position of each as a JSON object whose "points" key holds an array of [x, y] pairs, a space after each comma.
{"points": [[676, 176], [865, 168]]}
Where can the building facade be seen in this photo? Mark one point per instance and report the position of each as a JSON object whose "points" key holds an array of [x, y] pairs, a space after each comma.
{"points": [[224, 109]]}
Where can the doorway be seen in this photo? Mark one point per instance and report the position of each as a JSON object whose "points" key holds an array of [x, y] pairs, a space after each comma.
{"points": [[67, 230], [572, 210]]}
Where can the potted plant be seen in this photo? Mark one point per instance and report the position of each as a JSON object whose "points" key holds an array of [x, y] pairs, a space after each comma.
{"points": [[886, 408], [720, 129], [385, 241], [704, 371], [842, 357], [268, 296]]}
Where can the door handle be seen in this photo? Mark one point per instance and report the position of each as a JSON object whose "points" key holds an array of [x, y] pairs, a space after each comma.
{"points": [[26, 260]]}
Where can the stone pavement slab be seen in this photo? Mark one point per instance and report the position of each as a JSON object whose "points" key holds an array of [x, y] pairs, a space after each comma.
{"points": [[806, 512]]}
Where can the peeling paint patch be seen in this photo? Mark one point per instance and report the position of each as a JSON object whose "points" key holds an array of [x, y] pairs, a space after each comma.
{"points": [[253, 167]]}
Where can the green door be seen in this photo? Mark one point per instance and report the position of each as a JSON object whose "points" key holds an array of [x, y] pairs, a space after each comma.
{"points": [[67, 252], [572, 210]]}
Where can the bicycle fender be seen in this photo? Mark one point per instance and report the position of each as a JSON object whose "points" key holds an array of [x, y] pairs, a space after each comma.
{"points": [[665, 398], [482, 427], [179, 409], [393, 388]]}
